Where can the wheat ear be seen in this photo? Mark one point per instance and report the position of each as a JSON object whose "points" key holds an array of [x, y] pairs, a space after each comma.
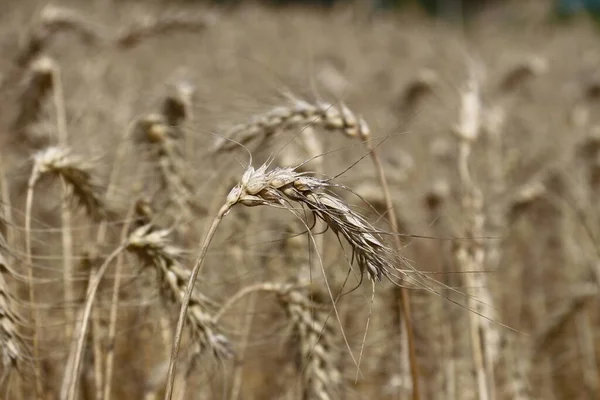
{"points": [[300, 113], [153, 247], [281, 187], [333, 118], [37, 87], [321, 377], [13, 349], [165, 145], [51, 21], [149, 27]]}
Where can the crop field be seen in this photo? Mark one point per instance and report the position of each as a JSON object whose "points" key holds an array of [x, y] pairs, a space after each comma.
{"points": [[244, 201]]}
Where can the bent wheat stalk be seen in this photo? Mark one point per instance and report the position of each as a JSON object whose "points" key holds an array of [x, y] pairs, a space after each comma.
{"points": [[282, 187], [78, 180]]}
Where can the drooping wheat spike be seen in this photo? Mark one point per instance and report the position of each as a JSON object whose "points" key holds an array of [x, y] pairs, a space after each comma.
{"points": [[13, 348], [560, 317], [177, 105], [150, 26], [415, 91], [39, 84], [153, 247], [51, 21], [521, 71], [283, 186], [75, 172], [321, 377], [328, 116]]}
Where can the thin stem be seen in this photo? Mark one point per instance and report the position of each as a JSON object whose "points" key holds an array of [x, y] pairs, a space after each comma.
{"points": [[264, 287], [186, 299], [96, 337], [91, 296], [29, 260], [114, 308], [404, 299], [65, 212]]}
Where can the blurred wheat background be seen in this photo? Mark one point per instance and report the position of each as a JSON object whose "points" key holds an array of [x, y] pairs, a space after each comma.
{"points": [[464, 152]]}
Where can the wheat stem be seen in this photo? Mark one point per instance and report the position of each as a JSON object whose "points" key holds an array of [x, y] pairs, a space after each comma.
{"points": [[29, 260], [114, 308], [186, 299], [85, 317], [404, 297]]}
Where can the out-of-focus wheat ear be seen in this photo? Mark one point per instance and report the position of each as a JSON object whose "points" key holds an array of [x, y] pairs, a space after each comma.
{"points": [[299, 114], [149, 26], [521, 71], [38, 85], [164, 143], [13, 348], [177, 108], [177, 105], [560, 317], [416, 90], [51, 21], [75, 172], [513, 369], [153, 247], [321, 378]]}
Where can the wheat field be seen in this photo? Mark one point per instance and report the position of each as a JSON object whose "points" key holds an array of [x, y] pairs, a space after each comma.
{"points": [[252, 202]]}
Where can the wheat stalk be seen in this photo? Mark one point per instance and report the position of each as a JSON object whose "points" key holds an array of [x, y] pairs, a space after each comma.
{"points": [[51, 21], [78, 178]]}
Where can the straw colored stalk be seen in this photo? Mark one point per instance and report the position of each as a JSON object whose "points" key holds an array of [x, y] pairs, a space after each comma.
{"points": [[470, 255], [77, 178], [37, 87], [152, 246], [149, 27], [282, 187], [51, 21]]}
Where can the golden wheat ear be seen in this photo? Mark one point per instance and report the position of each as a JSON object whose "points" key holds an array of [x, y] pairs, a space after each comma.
{"points": [[320, 375], [148, 27], [76, 172], [153, 247], [53, 20], [13, 348]]}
